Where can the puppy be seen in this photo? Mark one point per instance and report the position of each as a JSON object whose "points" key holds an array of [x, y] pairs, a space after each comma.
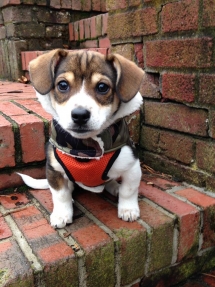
{"points": [[88, 95]]}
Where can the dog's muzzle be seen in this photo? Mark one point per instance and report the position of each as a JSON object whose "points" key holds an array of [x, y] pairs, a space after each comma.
{"points": [[80, 116]]}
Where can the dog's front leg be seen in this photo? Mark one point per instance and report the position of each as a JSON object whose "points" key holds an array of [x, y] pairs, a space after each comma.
{"points": [[61, 190], [128, 208]]}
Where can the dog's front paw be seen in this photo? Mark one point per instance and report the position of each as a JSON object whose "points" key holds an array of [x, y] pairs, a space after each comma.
{"points": [[128, 214], [60, 219]]}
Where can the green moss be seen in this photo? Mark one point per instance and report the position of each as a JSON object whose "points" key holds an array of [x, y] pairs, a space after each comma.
{"points": [[100, 266], [4, 275]]}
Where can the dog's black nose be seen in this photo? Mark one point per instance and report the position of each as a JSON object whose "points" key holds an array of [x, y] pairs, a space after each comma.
{"points": [[80, 116]]}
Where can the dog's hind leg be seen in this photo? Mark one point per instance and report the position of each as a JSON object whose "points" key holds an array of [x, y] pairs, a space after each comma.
{"points": [[112, 187]]}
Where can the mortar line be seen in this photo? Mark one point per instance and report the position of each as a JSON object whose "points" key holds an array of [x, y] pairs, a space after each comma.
{"points": [[23, 244], [112, 235], [80, 255]]}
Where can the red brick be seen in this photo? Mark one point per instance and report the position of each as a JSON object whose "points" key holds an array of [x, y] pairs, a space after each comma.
{"points": [[180, 16], [76, 5], [103, 6], [7, 2], [208, 13], [44, 197], [150, 86], [4, 246], [87, 28], [186, 53], [5, 231], [129, 24], [93, 27], [206, 89], [55, 252], [76, 30], [7, 151], [9, 109], [2, 32], [104, 23], [189, 218], [13, 180], [138, 49], [205, 156], [98, 248], [168, 144], [15, 268], [209, 279], [81, 29], [17, 15], [192, 120], [161, 236], [32, 137], [114, 5], [212, 123], [35, 107], [104, 43], [86, 5], [96, 5], [162, 183], [55, 4], [71, 32], [98, 25], [207, 203], [65, 4], [178, 87], [14, 200], [130, 234], [89, 44]]}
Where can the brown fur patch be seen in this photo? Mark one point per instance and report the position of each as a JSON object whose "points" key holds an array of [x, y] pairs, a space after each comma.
{"points": [[55, 178]]}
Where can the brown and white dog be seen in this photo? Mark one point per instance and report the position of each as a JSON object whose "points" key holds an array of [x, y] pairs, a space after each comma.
{"points": [[88, 95]]}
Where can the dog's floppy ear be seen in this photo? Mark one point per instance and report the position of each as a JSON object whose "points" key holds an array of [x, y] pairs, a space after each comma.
{"points": [[42, 70], [129, 77]]}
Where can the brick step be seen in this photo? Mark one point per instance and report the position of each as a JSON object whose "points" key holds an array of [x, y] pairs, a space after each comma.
{"points": [[172, 240]]}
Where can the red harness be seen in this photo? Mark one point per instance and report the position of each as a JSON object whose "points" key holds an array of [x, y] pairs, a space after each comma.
{"points": [[92, 172]]}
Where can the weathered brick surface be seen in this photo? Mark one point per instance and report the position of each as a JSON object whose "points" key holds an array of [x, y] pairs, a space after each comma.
{"points": [[207, 204], [161, 248], [129, 24], [188, 217], [205, 154], [14, 200], [11, 179], [206, 86], [208, 13], [150, 86], [31, 135], [168, 144], [180, 117], [7, 151], [186, 53], [129, 234], [99, 252], [180, 16], [55, 255], [17, 270], [5, 229], [178, 87]]}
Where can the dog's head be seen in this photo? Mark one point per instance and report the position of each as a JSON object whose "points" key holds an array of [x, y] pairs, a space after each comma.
{"points": [[84, 90]]}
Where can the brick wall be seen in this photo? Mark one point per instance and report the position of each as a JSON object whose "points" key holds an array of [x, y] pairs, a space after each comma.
{"points": [[28, 25], [174, 42]]}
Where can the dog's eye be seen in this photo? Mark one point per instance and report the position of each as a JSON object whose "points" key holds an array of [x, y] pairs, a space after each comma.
{"points": [[63, 86], [102, 88]]}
